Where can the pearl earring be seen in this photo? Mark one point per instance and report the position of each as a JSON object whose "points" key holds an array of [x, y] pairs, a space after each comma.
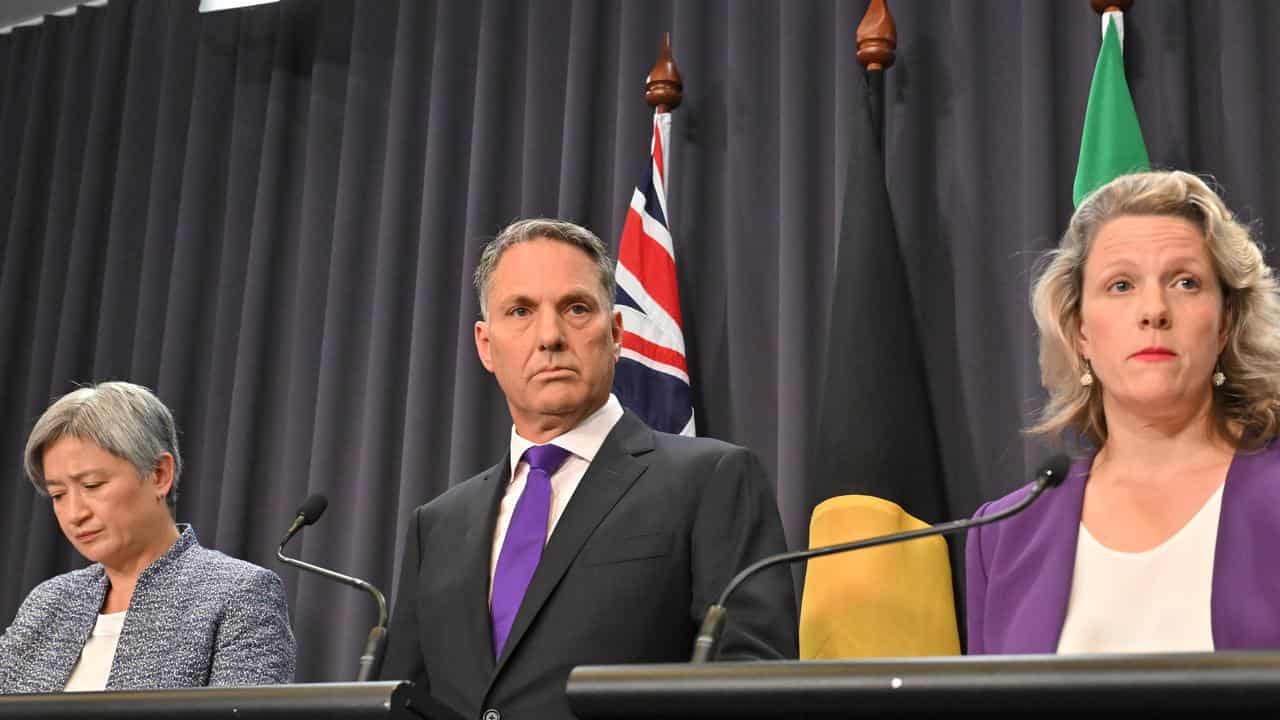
{"points": [[1087, 378]]}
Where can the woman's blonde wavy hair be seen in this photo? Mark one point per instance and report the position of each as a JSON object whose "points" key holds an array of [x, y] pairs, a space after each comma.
{"points": [[1247, 407]]}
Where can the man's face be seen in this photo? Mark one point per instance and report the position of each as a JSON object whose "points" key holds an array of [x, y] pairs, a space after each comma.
{"points": [[549, 340]]}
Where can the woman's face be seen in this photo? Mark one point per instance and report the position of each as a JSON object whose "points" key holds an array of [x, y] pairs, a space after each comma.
{"points": [[1152, 320], [109, 513]]}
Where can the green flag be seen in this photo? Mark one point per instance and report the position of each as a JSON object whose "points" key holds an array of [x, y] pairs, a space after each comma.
{"points": [[1111, 144]]}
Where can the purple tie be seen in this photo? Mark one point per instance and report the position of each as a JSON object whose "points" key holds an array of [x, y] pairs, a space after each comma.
{"points": [[522, 547]]}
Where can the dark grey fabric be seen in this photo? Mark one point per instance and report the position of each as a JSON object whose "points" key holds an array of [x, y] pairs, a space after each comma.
{"points": [[270, 215]]}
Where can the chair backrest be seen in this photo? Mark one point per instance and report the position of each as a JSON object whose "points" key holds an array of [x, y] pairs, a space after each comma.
{"points": [[888, 601]]}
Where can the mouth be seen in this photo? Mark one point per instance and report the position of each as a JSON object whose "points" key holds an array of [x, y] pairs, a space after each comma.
{"points": [[87, 536], [1154, 354], [553, 372]]}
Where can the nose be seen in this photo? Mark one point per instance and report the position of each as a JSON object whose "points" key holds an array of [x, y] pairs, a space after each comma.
{"points": [[550, 332], [1155, 311], [74, 508]]}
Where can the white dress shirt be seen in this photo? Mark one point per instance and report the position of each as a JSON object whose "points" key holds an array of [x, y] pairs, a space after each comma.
{"points": [[582, 442], [1157, 600]]}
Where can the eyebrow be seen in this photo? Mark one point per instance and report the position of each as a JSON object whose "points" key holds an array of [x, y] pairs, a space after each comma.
{"points": [[518, 299], [77, 477], [580, 294], [1127, 263], [576, 294]]}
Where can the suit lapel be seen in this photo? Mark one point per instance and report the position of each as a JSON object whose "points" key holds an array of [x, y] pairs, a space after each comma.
{"points": [[1054, 544], [607, 479], [477, 549], [82, 617]]}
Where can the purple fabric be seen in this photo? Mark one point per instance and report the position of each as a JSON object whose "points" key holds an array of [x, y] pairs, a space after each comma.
{"points": [[526, 535], [1018, 572]]}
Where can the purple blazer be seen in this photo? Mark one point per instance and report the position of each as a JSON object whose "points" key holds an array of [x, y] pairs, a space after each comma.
{"points": [[1018, 571]]}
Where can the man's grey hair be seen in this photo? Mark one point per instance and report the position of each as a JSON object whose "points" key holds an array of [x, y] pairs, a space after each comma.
{"points": [[549, 229], [124, 419]]}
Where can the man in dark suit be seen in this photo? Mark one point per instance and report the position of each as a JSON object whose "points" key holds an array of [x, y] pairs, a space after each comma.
{"points": [[595, 540]]}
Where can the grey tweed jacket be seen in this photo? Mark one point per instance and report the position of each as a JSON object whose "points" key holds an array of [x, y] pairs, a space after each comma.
{"points": [[197, 617]]}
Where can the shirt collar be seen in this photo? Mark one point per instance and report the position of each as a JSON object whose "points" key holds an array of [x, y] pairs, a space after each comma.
{"points": [[583, 441]]}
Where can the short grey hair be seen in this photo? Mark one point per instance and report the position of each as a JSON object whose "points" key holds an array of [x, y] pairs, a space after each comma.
{"points": [[548, 229], [124, 419]]}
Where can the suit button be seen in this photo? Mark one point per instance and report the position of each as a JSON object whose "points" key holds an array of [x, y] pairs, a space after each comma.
{"points": [[491, 714]]}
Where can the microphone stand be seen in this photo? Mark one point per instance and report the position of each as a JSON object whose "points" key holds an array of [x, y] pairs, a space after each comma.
{"points": [[375, 645], [707, 643]]}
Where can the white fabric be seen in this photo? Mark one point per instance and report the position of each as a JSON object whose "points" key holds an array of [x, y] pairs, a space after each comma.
{"points": [[1157, 600], [94, 666], [582, 442]]}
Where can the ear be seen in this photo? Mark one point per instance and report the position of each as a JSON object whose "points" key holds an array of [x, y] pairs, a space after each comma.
{"points": [[162, 476], [616, 329], [482, 345], [1082, 339]]}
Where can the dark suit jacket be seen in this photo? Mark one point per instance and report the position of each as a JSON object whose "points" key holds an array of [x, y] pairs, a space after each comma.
{"points": [[653, 533]]}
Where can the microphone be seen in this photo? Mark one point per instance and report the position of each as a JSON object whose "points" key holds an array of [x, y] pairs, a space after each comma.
{"points": [[371, 660], [707, 644], [310, 511]]}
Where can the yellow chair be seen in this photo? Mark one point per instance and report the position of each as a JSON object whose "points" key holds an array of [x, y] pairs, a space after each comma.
{"points": [[888, 601]]}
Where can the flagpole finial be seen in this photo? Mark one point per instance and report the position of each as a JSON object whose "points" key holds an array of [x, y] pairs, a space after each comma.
{"points": [[877, 37], [1104, 6], [663, 89]]}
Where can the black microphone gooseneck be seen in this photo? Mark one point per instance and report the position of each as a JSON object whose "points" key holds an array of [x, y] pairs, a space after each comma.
{"points": [[707, 644], [371, 660]]}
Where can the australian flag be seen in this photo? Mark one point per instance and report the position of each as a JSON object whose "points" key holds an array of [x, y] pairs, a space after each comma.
{"points": [[652, 377]]}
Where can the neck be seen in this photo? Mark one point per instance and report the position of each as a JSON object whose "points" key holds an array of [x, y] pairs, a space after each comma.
{"points": [[124, 575], [545, 428], [1140, 446]]}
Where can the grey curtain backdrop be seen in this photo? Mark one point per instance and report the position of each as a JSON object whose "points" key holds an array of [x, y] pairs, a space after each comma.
{"points": [[270, 216]]}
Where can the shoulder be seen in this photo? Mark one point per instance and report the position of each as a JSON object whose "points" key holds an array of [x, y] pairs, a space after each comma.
{"points": [[71, 582], [705, 471], [697, 460], [1057, 511], [464, 494], [1253, 483], [1004, 502], [684, 448], [205, 571], [58, 590], [1260, 463]]}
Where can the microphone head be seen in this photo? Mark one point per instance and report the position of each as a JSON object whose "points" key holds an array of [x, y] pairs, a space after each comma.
{"points": [[1054, 470], [312, 508]]}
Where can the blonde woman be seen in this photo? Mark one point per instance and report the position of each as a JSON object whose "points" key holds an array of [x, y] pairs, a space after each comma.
{"points": [[1159, 328]]}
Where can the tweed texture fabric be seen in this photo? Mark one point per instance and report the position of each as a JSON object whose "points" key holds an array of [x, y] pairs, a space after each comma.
{"points": [[197, 617]]}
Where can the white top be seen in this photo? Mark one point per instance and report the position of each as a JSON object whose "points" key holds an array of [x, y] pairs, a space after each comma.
{"points": [[94, 666], [582, 442], [1151, 601]]}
